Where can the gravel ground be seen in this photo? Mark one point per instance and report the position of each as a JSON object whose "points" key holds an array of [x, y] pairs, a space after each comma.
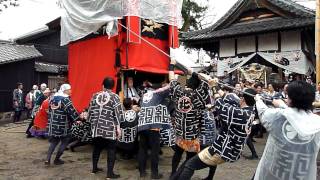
{"points": [[23, 158]]}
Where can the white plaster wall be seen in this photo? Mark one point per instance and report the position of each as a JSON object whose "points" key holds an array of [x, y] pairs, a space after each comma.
{"points": [[227, 48], [290, 40], [268, 42], [246, 44]]}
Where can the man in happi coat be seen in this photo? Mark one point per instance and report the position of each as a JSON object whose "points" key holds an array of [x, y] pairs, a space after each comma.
{"points": [[81, 132], [208, 134], [105, 114], [294, 136], [62, 114], [228, 145], [153, 116], [129, 129], [190, 102], [17, 102], [168, 135]]}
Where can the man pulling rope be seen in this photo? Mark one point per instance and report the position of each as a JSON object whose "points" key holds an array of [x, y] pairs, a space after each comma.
{"points": [[236, 125]]}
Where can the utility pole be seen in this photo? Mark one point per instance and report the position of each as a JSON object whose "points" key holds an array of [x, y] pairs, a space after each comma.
{"points": [[317, 43]]}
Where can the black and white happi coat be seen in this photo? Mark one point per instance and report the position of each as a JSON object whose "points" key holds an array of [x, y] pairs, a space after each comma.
{"points": [[167, 136], [236, 123], [128, 130], [105, 113], [189, 105], [154, 113], [208, 129], [82, 131], [61, 115]]}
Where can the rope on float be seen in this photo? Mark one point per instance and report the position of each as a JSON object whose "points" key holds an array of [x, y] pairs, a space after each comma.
{"points": [[166, 54]]}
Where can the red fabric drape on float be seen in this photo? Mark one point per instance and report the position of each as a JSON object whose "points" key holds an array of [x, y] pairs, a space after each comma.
{"points": [[90, 61], [143, 57]]}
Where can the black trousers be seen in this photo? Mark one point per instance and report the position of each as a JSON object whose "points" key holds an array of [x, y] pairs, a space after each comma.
{"points": [[76, 143], [17, 115], [176, 158], [98, 145], [178, 174], [29, 111], [251, 146], [30, 126], [54, 141], [260, 130], [149, 138], [190, 166], [254, 131]]}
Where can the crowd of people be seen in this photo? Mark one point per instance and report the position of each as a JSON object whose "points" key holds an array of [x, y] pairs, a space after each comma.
{"points": [[208, 121], [29, 102]]}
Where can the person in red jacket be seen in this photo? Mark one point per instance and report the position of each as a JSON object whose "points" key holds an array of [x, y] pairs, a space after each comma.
{"points": [[39, 129]]}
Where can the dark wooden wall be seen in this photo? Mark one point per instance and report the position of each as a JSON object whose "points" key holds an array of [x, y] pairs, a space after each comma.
{"points": [[48, 44], [10, 74]]}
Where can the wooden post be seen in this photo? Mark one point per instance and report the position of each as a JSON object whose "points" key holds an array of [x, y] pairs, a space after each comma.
{"points": [[317, 43], [121, 93]]}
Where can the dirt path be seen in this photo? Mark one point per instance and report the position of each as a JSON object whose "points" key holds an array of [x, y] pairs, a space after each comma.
{"points": [[22, 158]]}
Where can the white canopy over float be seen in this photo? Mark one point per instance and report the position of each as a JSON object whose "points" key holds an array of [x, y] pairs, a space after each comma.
{"points": [[83, 17]]}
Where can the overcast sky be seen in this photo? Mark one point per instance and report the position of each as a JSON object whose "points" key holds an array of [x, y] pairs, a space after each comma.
{"points": [[28, 16], [34, 14]]}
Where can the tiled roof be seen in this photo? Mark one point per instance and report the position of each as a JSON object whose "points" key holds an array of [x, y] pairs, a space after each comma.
{"points": [[256, 27], [287, 5], [10, 52], [294, 8], [50, 68]]}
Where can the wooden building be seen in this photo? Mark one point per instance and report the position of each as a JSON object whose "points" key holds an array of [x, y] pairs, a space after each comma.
{"points": [[275, 35], [17, 64], [52, 67], [34, 58]]}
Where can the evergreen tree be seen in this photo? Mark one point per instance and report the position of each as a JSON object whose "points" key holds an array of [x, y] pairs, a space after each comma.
{"points": [[192, 14], [5, 4]]}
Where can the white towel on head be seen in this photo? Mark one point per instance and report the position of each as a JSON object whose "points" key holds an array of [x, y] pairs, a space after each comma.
{"points": [[63, 88], [43, 86]]}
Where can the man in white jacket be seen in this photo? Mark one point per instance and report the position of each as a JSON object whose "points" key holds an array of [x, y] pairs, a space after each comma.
{"points": [[294, 136]]}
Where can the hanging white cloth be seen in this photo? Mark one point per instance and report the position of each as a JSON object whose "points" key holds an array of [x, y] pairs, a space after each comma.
{"points": [[83, 17], [297, 61], [293, 61]]}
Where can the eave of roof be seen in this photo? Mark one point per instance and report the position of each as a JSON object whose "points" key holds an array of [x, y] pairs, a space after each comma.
{"points": [[287, 5], [256, 27], [10, 52], [32, 34], [50, 67]]}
